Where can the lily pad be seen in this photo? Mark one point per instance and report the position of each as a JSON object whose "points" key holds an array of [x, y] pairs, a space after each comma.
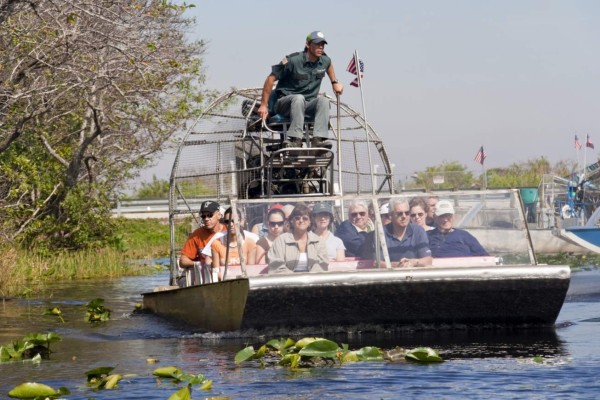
{"points": [[32, 390], [111, 381], [98, 372], [423, 355], [245, 354], [167, 372], [182, 394], [320, 348]]}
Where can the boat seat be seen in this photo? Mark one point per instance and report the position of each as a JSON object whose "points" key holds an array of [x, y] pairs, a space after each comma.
{"points": [[299, 171]]}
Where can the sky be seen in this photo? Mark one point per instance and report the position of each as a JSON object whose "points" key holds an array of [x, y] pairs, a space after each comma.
{"points": [[442, 77]]}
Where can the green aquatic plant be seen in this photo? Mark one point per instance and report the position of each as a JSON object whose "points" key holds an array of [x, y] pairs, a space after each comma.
{"points": [[178, 375], [312, 351], [96, 312], [33, 390], [54, 311], [309, 351], [423, 355], [100, 378], [32, 346]]}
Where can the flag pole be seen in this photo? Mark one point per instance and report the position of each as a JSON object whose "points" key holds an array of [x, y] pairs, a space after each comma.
{"points": [[373, 180], [362, 99], [339, 148]]}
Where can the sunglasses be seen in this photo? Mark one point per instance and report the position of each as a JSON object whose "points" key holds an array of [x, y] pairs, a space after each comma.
{"points": [[414, 215], [299, 218], [206, 215], [226, 221], [401, 213], [274, 224], [356, 214]]}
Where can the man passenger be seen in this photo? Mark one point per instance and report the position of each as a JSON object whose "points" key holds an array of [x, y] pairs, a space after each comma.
{"points": [[447, 241], [191, 253], [354, 230], [406, 242]]}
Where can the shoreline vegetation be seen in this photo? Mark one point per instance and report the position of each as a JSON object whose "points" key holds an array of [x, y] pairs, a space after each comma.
{"points": [[25, 273]]}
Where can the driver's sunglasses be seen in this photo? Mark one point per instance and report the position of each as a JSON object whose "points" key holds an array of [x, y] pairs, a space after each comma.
{"points": [[207, 215], [356, 214]]}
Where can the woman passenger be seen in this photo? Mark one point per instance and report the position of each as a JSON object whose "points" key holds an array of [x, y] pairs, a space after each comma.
{"points": [[322, 222], [275, 226], [219, 247], [418, 212], [299, 250]]}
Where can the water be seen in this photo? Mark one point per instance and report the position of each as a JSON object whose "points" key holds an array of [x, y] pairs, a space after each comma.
{"points": [[479, 364]]}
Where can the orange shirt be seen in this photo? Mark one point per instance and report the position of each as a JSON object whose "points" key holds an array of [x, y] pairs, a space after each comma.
{"points": [[234, 254], [196, 242]]}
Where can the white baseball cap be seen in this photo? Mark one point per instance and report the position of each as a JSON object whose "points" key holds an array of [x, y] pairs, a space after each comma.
{"points": [[444, 207]]}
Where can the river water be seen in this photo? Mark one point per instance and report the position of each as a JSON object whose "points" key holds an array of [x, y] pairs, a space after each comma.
{"points": [[559, 363]]}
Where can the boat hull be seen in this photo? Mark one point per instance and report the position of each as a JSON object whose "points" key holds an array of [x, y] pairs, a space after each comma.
{"points": [[213, 307], [501, 296], [588, 238]]}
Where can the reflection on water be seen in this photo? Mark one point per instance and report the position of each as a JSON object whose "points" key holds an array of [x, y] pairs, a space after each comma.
{"points": [[480, 363]]}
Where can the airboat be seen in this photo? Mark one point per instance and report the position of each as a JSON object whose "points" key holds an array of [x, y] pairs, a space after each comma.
{"points": [[232, 156]]}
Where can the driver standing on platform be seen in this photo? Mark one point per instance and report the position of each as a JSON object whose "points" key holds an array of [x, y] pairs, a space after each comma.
{"points": [[300, 75]]}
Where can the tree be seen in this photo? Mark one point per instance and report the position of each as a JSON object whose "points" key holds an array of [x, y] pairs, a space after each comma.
{"points": [[90, 92], [157, 189], [453, 174], [528, 173]]}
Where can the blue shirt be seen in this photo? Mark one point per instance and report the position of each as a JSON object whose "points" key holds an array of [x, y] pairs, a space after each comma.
{"points": [[352, 238], [414, 244], [456, 243]]}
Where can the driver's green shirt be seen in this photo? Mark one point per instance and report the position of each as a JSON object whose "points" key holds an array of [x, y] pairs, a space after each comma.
{"points": [[297, 75]]}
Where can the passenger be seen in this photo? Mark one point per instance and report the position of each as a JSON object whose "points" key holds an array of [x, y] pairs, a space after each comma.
{"points": [[275, 226], [261, 229], [419, 212], [299, 250], [191, 253], [406, 243], [322, 222], [219, 247], [431, 204], [354, 230], [384, 212], [300, 75], [447, 241]]}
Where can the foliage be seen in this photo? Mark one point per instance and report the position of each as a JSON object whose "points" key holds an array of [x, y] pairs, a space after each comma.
{"points": [[454, 174], [99, 378], [312, 351], [24, 271], [33, 390], [305, 352], [157, 189], [172, 372], [575, 261], [96, 312], [523, 174], [55, 311], [29, 347], [82, 110]]}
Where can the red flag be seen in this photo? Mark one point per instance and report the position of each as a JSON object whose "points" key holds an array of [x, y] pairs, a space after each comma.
{"points": [[588, 142], [577, 144], [480, 156]]}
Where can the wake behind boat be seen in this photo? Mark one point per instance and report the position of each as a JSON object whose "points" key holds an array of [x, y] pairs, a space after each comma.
{"points": [[230, 156]]}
